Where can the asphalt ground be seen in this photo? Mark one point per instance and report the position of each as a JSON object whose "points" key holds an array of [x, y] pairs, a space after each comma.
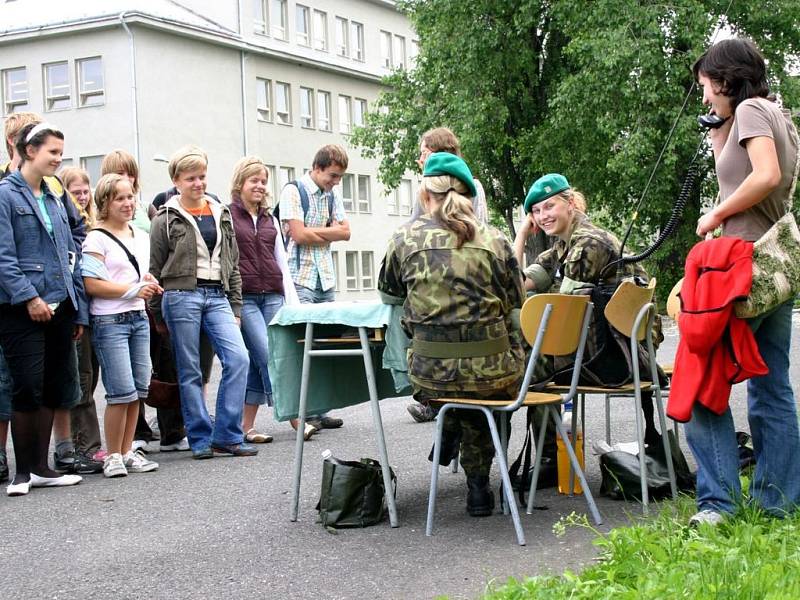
{"points": [[221, 529]]}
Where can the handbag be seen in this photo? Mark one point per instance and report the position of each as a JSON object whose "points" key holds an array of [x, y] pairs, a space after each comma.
{"points": [[162, 394], [776, 269], [353, 493]]}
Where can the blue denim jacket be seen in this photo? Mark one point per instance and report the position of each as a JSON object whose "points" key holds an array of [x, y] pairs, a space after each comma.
{"points": [[31, 262]]}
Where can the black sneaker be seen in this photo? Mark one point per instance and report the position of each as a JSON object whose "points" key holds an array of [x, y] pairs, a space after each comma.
{"points": [[77, 462], [3, 465], [480, 499], [326, 423]]}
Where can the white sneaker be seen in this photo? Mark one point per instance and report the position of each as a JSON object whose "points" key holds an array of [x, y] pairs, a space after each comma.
{"points": [[180, 446], [707, 516], [139, 445], [136, 462], [113, 466]]}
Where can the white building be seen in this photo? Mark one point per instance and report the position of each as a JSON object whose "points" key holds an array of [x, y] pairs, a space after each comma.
{"points": [[275, 78]]}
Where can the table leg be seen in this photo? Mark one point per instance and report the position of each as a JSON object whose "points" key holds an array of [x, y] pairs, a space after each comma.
{"points": [[301, 415], [376, 418]]}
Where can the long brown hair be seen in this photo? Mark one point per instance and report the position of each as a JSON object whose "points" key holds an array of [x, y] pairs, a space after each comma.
{"points": [[454, 206]]}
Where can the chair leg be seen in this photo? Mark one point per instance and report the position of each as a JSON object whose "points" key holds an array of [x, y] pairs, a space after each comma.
{"points": [[576, 465], [637, 395], [608, 418], [536, 465], [437, 452], [301, 414], [504, 443], [662, 422], [576, 409], [507, 490]]}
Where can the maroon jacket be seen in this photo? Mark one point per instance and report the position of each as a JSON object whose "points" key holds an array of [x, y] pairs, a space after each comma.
{"points": [[257, 265], [716, 349]]}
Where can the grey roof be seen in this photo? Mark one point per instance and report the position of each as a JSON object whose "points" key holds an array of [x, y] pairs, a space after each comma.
{"points": [[19, 16]]}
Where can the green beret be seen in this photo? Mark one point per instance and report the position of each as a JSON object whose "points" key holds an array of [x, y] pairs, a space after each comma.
{"points": [[545, 187], [444, 163]]}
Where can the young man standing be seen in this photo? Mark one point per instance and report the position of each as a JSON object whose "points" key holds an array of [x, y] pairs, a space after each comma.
{"points": [[312, 216]]}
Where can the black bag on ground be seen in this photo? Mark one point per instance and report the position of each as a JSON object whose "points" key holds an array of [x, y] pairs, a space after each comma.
{"points": [[352, 494], [620, 472]]}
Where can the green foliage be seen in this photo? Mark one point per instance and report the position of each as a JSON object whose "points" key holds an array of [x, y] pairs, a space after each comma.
{"points": [[749, 556], [590, 90]]}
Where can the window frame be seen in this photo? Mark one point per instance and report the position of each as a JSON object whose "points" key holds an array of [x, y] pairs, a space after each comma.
{"points": [[345, 31], [83, 95], [348, 202], [367, 258], [399, 52], [400, 204], [351, 282], [268, 97], [357, 51], [315, 37], [345, 125], [387, 61], [10, 105], [279, 32], [94, 174], [321, 94], [362, 104], [277, 114], [307, 120], [51, 99], [306, 21], [261, 26], [361, 201]]}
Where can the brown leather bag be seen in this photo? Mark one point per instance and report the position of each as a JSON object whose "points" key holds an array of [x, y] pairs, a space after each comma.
{"points": [[163, 394]]}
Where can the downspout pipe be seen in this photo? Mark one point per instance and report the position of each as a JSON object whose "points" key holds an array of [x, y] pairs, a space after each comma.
{"points": [[243, 74], [134, 94]]}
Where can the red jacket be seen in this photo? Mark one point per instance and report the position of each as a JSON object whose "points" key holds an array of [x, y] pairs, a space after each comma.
{"points": [[716, 349]]}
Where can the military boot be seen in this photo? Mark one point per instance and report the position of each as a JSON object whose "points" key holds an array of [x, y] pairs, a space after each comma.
{"points": [[480, 498]]}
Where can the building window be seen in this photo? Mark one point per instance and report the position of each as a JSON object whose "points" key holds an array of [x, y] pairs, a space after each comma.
{"points": [[364, 199], [399, 56], [335, 259], [320, 30], [57, 87], [260, 16], [263, 99], [324, 111], [91, 164], [345, 111], [351, 271], [367, 271], [348, 198], [307, 108], [406, 198], [278, 17], [273, 182], [302, 25], [342, 42], [386, 49], [91, 90], [283, 103], [15, 90], [359, 110], [393, 202], [285, 175], [413, 54], [357, 40]]}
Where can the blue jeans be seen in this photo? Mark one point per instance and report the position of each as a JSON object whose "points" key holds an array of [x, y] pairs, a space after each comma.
{"points": [[772, 415], [122, 345], [257, 312], [186, 312]]}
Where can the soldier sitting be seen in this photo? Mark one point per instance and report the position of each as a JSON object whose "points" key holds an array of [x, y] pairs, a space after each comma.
{"points": [[459, 281]]}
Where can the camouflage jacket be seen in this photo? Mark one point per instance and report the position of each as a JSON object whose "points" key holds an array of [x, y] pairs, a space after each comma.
{"points": [[455, 294]]}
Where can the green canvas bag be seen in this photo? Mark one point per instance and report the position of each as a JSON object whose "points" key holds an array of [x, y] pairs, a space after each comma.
{"points": [[353, 493]]}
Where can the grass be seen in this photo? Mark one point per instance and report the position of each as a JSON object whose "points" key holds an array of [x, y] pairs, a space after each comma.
{"points": [[751, 556]]}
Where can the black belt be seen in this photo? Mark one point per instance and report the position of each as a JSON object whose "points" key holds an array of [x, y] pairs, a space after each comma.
{"points": [[208, 283]]}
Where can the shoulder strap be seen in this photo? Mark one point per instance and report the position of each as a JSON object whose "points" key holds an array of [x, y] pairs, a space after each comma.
{"points": [[130, 256], [304, 204]]}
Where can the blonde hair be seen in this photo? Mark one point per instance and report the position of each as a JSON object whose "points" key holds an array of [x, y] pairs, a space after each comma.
{"points": [[242, 170], [16, 122], [187, 158], [120, 160], [105, 191], [578, 199], [70, 175], [454, 210]]}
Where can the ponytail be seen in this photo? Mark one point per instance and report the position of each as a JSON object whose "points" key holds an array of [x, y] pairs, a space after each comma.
{"points": [[454, 207]]}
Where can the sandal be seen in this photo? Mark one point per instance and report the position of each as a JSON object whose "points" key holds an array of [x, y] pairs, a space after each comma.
{"points": [[256, 437], [309, 431]]}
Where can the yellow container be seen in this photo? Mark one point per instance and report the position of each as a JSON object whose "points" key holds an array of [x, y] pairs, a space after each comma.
{"points": [[564, 465]]}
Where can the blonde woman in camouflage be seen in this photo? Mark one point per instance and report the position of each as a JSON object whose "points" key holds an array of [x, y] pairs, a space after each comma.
{"points": [[458, 281]]}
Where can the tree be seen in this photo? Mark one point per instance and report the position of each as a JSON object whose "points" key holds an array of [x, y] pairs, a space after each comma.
{"points": [[590, 90]]}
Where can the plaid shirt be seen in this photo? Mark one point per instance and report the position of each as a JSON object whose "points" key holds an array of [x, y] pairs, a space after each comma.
{"points": [[315, 262]]}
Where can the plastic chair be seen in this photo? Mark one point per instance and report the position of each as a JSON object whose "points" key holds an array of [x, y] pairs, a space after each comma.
{"points": [[631, 312], [553, 324]]}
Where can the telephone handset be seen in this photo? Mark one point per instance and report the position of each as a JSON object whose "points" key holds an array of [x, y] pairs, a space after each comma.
{"points": [[711, 121]]}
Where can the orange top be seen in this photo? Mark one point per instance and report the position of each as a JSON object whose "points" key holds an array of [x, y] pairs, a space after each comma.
{"points": [[200, 211]]}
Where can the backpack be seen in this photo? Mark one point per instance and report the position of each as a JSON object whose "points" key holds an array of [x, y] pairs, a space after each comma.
{"points": [[304, 204]]}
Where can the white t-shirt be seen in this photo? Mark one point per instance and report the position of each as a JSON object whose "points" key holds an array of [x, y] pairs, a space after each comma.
{"points": [[119, 267]]}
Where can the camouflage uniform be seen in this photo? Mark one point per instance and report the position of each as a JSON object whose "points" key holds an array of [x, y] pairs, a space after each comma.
{"points": [[454, 296], [575, 267]]}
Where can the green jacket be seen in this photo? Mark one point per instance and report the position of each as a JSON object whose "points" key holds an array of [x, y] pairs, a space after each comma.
{"points": [[459, 300], [173, 254]]}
